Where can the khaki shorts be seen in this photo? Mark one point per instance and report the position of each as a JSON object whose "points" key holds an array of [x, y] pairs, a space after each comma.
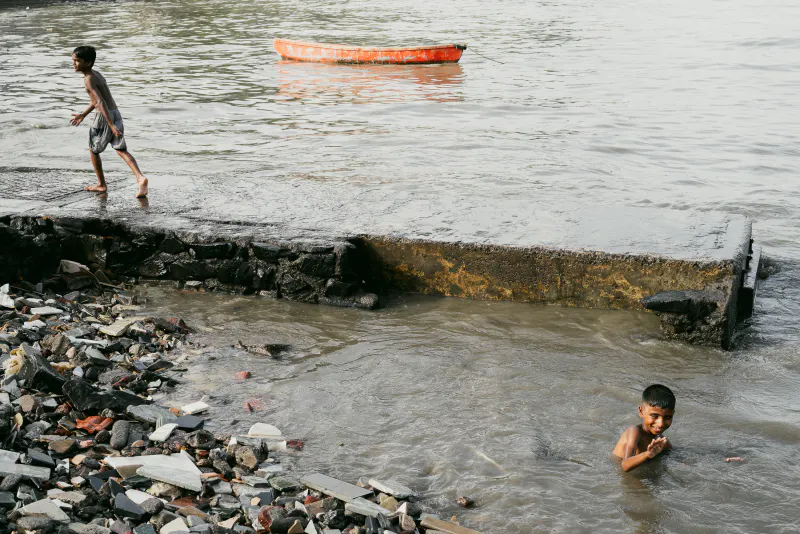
{"points": [[100, 134]]}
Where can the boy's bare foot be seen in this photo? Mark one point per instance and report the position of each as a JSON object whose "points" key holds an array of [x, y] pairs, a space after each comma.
{"points": [[142, 187], [96, 188]]}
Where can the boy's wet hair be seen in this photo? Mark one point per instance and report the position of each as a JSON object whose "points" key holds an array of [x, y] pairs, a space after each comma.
{"points": [[86, 53], [659, 396]]}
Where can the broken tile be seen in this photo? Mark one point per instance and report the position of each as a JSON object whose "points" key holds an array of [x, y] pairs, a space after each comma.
{"points": [[45, 507], [366, 508], [176, 477], [331, 486], [195, 407], [431, 523], [393, 488], [264, 430]]}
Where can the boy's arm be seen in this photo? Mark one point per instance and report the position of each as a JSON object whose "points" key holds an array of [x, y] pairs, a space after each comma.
{"points": [[631, 460], [77, 118], [99, 103]]}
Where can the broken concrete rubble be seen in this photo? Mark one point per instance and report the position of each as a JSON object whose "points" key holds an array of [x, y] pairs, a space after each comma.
{"points": [[106, 454]]}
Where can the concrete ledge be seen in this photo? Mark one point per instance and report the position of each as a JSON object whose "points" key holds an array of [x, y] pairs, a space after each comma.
{"points": [[688, 269]]}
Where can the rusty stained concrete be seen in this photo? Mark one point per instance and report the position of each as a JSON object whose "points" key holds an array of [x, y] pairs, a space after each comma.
{"points": [[581, 278]]}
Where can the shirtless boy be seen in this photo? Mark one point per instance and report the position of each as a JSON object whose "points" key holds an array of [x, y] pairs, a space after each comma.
{"points": [[107, 126], [640, 443]]}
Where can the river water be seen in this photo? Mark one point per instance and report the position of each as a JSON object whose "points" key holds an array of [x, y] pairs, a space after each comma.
{"points": [[673, 105]]}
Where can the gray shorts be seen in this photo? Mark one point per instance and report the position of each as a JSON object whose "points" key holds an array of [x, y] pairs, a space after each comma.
{"points": [[100, 134]]}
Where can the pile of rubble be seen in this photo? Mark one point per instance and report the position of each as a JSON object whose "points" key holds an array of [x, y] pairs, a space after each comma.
{"points": [[83, 449]]}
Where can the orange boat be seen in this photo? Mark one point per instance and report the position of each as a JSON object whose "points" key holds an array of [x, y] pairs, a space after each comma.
{"points": [[333, 53]]}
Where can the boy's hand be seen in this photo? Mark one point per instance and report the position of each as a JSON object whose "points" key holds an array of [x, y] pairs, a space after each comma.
{"points": [[77, 118], [656, 447], [115, 131]]}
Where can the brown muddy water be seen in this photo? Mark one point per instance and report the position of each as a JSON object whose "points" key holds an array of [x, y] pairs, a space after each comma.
{"points": [[687, 106], [516, 406]]}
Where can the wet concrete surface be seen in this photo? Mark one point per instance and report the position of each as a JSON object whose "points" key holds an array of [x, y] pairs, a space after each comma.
{"points": [[308, 210]]}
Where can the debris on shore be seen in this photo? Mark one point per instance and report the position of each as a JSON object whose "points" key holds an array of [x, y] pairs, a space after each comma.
{"points": [[85, 450]]}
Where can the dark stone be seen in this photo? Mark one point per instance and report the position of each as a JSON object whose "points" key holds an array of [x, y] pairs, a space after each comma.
{"points": [[317, 265], [10, 482], [156, 265], [146, 528], [85, 397], [7, 499], [171, 245], [152, 506], [282, 525], [214, 250], [202, 439], [346, 261], [162, 518], [35, 522], [190, 270], [335, 519], [119, 434], [268, 252], [296, 287], [189, 422], [337, 288], [96, 483], [125, 507], [104, 436], [39, 458], [63, 447], [105, 475], [115, 487], [223, 468], [37, 372], [267, 497]]}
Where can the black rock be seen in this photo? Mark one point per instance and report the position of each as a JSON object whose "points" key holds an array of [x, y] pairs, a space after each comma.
{"points": [[105, 475], [85, 397], [96, 483], [38, 457], [125, 507], [267, 496], [116, 487], [104, 436], [147, 528], [202, 439], [38, 373], [189, 422], [282, 526], [335, 519]]}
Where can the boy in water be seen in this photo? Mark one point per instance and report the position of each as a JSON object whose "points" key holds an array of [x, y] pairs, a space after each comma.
{"points": [[640, 443], [107, 126]]}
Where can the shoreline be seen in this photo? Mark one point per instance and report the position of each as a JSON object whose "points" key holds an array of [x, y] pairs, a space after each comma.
{"points": [[86, 451]]}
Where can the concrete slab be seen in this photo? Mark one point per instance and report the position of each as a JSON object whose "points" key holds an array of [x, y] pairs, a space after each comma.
{"points": [[333, 487], [444, 244]]}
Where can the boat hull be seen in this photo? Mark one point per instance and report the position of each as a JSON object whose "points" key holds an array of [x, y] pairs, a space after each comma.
{"points": [[331, 53]]}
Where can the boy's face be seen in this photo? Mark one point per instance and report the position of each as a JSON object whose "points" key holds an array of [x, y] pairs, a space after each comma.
{"points": [[79, 64], [655, 420]]}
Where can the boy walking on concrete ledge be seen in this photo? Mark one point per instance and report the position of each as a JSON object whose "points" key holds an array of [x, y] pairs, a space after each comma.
{"points": [[107, 126]]}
